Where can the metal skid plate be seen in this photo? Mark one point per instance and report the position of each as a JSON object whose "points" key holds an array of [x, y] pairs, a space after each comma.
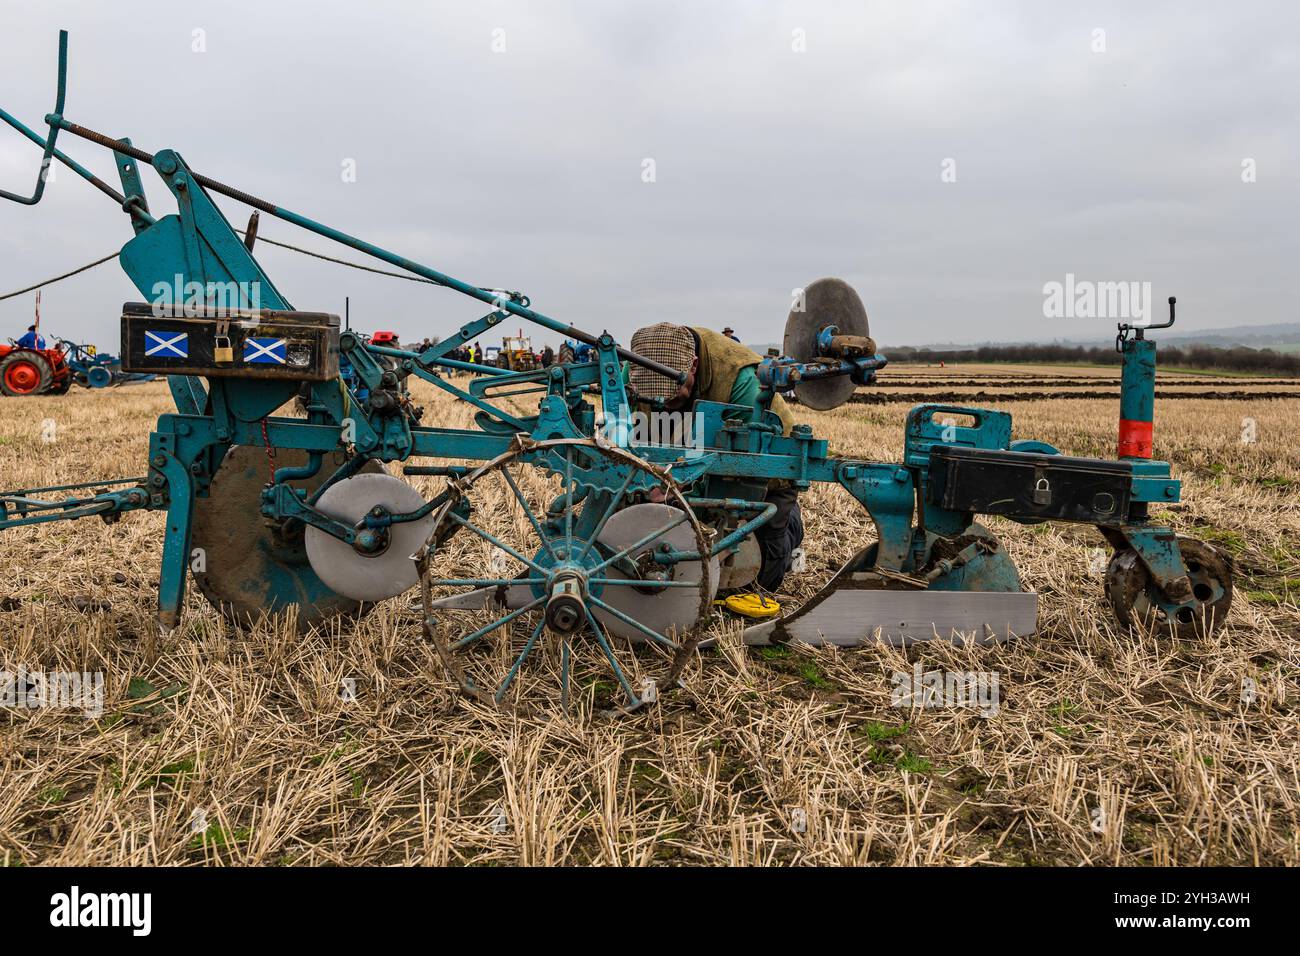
{"points": [[977, 602], [825, 302], [852, 617]]}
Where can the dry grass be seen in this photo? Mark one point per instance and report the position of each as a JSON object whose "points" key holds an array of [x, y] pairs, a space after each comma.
{"points": [[257, 742]]}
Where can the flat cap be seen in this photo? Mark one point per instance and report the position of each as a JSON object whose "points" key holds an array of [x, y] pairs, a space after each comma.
{"points": [[671, 345]]}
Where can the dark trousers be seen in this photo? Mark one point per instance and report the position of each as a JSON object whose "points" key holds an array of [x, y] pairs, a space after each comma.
{"points": [[779, 537]]}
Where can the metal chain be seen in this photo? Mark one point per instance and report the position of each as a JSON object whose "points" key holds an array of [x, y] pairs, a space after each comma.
{"points": [[270, 452]]}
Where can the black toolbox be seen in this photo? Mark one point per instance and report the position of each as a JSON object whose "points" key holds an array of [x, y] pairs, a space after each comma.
{"points": [[261, 343], [1020, 484]]}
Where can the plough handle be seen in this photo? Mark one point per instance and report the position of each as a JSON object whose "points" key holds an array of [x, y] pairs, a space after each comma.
{"points": [[48, 155]]}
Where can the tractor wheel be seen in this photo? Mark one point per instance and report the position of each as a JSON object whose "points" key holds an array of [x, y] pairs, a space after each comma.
{"points": [[24, 373]]}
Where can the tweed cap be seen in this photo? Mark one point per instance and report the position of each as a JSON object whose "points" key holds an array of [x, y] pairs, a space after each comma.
{"points": [[672, 345]]}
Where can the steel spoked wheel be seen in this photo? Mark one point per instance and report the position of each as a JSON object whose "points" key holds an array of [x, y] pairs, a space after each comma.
{"points": [[1136, 600], [581, 588]]}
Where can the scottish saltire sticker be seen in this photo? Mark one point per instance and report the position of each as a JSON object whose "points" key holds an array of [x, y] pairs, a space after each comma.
{"points": [[167, 344], [264, 351]]}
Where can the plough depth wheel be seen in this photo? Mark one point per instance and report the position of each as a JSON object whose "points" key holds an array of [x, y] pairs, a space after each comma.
{"points": [[1136, 599], [594, 588]]}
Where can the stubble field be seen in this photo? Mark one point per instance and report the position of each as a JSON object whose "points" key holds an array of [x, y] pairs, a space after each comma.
{"points": [[219, 746]]}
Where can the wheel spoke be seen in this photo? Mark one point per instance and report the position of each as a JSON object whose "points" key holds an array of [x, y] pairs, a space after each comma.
{"points": [[568, 502], [613, 661], [564, 673], [519, 661], [489, 628], [493, 539], [532, 519], [609, 512], [633, 622], [640, 544]]}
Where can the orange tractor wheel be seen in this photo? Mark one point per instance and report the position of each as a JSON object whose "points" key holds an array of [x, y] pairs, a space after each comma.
{"points": [[24, 373]]}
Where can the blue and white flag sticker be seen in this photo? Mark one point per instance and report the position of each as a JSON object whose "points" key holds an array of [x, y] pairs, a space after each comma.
{"points": [[167, 344], [259, 351]]}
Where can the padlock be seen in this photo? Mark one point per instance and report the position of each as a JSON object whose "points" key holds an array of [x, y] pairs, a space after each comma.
{"points": [[1042, 492], [222, 350]]}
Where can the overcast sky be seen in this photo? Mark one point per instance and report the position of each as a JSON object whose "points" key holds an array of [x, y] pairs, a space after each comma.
{"points": [[789, 141]]}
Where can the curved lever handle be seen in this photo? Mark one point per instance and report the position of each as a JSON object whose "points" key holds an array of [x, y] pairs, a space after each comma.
{"points": [[1165, 325], [48, 155]]}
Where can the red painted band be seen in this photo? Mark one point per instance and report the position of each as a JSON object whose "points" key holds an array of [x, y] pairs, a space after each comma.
{"points": [[1135, 438]]}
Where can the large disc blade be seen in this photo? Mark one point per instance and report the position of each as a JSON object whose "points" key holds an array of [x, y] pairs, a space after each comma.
{"points": [[369, 577], [663, 610], [249, 565], [825, 302]]}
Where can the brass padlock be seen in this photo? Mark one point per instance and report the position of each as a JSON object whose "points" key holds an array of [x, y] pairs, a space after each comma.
{"points": [[1042, 492], [222, 351]]}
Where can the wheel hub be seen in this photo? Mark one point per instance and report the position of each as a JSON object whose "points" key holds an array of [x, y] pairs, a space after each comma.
{"points": [[566, 608], [22, 376]]}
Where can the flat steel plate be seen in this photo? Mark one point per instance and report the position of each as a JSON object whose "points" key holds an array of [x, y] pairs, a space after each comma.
{"points": [[850, 617]]}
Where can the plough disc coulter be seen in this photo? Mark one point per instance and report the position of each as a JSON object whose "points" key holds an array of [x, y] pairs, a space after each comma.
{"points": [[557, 555]]}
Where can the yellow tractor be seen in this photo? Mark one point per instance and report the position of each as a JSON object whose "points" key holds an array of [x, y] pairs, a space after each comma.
{"points": [[517, 354]]}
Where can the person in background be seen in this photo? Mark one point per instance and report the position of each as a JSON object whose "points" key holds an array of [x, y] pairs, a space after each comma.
{"points": [[730, 333], [32, 340], [720, 369], [548, 357]]}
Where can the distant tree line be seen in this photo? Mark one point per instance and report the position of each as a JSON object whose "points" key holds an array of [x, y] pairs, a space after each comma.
{"points": [[1237, 359]]}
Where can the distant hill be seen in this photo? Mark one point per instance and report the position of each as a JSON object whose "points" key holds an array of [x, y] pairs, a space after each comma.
{"points": [[1280, 336]]}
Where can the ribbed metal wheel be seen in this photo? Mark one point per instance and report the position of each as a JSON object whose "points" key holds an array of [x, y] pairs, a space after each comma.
{"points": [[523, 598], [1136, 600]]}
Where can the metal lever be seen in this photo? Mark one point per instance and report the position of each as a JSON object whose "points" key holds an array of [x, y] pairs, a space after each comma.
{"points": [[1141, 330], [57, 115]]}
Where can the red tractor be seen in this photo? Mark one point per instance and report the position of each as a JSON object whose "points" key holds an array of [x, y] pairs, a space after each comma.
{"points": [[25, 371]]}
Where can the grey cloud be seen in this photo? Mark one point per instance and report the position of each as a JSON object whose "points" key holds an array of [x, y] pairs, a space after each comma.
{"points": [[522, 169]]}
